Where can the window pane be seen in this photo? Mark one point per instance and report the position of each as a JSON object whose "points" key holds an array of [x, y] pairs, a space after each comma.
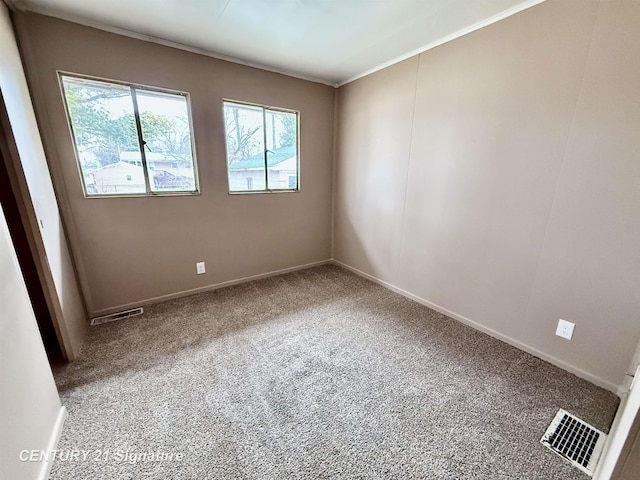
{"points": [[105, 134], [164, 118], [282, 154], [245, 147]]}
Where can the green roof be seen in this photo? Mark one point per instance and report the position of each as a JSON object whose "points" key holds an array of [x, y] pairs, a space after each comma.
{"points": [[274, 157]]}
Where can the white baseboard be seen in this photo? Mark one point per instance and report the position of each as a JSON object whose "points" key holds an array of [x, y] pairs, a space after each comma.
{"points": [[617, 389], [45, 470], [206, 288]]}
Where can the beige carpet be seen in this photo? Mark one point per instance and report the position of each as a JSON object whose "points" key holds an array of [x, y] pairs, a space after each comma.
{"points": [[313, 374]]}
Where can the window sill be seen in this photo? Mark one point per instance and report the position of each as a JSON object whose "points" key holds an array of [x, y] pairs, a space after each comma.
{"points": [[257, 192], [144, 195]]}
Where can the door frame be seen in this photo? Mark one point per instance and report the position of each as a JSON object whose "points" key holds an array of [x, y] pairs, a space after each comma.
{"points": [[624, 438], [11, 157]]}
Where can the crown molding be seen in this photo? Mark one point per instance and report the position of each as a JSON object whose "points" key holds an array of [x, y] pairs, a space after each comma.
{"points": [[460, 33]]}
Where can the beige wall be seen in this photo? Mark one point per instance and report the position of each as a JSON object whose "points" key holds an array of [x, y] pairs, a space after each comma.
{"points": [[129, 250], [29, 404], [55, 261], [498, 177], [495, 177]]}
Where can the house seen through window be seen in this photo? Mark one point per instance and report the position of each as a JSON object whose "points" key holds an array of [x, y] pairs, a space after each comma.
{"points": [[130, 140], [262, 148]]}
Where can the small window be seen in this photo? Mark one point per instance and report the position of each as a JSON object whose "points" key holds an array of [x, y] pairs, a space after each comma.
{"points": [[130, 140], [262, 148]]}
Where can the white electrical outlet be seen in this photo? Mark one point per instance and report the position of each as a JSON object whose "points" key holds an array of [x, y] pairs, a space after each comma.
{"points": [[200, 268], [565, 329]]}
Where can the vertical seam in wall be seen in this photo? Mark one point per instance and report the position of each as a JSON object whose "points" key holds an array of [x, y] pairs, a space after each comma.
{"points": [[564, 158], [406, 181], [333, 169]]}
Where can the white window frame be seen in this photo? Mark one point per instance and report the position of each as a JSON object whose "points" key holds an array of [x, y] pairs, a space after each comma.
{"points": [[133, 87], [266, 170]]}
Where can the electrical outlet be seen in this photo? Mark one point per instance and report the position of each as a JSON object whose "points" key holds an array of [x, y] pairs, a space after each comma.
{"points": [[200, 268], [565, 329]]}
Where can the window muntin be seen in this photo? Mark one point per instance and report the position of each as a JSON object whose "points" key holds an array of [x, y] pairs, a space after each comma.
{"points": [[130, 140], [262, 148]]}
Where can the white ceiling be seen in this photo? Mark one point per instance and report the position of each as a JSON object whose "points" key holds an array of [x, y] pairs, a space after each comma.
{"points": [[332, 41]]}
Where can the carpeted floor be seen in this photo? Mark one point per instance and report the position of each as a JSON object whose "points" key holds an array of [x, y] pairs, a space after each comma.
{"points": [[313, 374]]}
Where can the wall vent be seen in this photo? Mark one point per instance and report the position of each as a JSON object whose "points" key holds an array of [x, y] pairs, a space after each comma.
{"points": [[116, 316], [575, 441]]}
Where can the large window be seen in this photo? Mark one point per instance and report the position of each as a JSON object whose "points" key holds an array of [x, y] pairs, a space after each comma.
{"points": [[130, 140], [262, 148]]}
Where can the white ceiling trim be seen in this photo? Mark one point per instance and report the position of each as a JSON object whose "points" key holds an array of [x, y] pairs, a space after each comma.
{"points": [[20, 5], [448, 38]]}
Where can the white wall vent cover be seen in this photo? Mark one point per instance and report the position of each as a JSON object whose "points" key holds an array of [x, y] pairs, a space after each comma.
{"points": [[116, 316], [574, 440]]}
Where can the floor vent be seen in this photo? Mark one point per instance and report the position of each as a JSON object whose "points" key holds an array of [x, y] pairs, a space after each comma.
{"points": [[574, 440], [116, 316]]}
